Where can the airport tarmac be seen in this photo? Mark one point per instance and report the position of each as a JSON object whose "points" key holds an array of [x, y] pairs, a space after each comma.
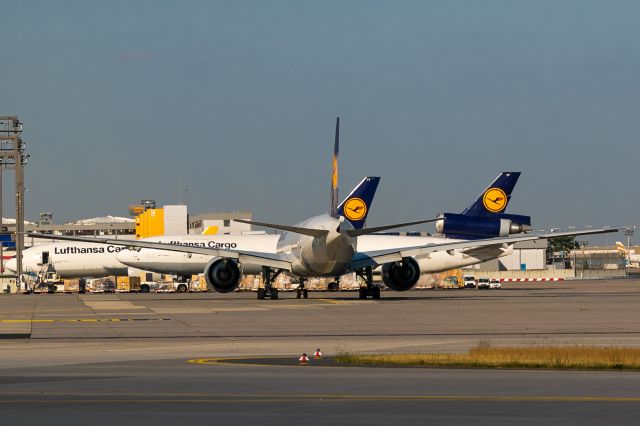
{"points": [[125, 357]]}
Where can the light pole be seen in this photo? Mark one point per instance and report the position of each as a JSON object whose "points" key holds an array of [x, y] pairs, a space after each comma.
{"points": [[628, 232]]}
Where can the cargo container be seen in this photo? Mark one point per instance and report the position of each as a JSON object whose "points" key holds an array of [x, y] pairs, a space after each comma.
{"points": [[128, 284]]}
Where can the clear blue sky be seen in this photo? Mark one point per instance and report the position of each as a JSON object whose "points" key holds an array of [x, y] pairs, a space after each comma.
{"points": [[124, 100]]}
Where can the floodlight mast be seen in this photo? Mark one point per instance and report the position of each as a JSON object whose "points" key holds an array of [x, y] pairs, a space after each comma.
{"points": [[12, 156]]}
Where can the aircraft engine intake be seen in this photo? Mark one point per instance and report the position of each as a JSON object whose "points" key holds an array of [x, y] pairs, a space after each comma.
{"points": [[223, 275], [401, 276]]}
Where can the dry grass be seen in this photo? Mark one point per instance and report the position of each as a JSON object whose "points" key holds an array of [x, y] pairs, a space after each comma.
{"points": [[484, 356]]}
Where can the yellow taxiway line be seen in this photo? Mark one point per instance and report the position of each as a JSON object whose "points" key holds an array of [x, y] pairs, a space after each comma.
{"points": [[28, 321]]}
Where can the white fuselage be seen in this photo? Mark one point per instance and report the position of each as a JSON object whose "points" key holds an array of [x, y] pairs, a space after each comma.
{"points": [[310, 257], [73, 259], [437, 261], [171, 262], [80, 259]]}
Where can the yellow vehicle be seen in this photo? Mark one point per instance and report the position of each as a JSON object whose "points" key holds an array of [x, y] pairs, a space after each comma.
{"points": [[452, 281]]}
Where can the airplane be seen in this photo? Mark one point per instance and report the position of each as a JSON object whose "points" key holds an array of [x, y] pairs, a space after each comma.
{"points": [[324, 246], [633, 259], [73, 259], [475, 220]]}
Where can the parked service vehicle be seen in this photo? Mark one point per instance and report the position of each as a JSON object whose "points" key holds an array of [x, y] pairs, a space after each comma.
{"points": [[163, 287], [483, 283], [451, 281], [469, 281], [495, 283]]}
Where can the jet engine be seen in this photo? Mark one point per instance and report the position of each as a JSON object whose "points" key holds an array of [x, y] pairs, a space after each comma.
{"points": [[458, 225], [223, 275], [401, 276]]}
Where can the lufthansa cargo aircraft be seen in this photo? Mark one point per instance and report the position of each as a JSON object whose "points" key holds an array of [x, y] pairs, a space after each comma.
{"points": [[475, 221], [74, 259], [325, 245]]}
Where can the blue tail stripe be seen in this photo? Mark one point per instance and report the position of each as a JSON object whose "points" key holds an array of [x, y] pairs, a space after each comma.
{"points": [[492, 196], [358, 202]]}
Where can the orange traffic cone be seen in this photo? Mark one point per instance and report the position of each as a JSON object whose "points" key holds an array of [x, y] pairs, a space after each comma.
{"points": [[318, 353], [303, 359]]}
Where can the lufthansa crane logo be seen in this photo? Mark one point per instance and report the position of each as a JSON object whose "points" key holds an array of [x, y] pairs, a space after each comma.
{"points": [[494, 200], [355, 209]]}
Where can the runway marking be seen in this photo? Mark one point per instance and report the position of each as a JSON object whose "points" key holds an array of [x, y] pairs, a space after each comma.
{"points": [[48, 321], [231, 361], [150, 397]]}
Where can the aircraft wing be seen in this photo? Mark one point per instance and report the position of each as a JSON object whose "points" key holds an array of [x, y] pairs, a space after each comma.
{"points": [[379, 257], [257, 258]]}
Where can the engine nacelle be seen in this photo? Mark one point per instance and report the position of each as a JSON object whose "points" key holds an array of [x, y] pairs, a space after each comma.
{"points": [[401, 276], [453, 224], [223, 275]]}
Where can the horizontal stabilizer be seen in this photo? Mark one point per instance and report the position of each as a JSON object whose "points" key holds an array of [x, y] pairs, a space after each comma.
{"points": [[365, 231], [316, 233]]}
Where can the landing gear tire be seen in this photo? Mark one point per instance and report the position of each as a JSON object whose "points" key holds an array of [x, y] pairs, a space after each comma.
{"points": [[299, 293], [268, 291], [51, 289], [362, 293], [370, 290], [375, 293], [182, 288], [333, 286], [305, 293]]}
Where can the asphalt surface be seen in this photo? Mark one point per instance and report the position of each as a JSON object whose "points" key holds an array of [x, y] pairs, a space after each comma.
{"points": [[153, 359], [172, 392]]}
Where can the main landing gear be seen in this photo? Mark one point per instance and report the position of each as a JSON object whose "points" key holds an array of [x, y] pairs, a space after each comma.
{"points": [[302, 292], [268, 291], [334, 285], [371, 290]]}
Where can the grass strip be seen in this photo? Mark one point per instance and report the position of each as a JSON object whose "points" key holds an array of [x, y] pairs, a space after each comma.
{"points": [[543, 357]]}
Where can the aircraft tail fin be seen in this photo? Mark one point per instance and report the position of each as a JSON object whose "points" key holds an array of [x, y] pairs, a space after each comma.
{"points": [[355, 207], [333, 209], [621, 247], [495, 198]]}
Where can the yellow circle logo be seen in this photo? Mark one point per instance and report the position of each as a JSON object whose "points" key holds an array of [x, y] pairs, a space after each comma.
{"points": [[355, 209], [494, 200]]}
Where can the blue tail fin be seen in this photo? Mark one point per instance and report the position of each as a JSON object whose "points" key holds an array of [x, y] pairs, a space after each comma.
{"points": [[355, 207], [495, 198]]}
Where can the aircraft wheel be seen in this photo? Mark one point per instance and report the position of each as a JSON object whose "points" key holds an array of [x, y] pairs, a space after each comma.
{"points": [[362, 293], [274, 294], [298, 293], [51, 289], [305, 293], [261, 293], [375, 293], [182, 288]]}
